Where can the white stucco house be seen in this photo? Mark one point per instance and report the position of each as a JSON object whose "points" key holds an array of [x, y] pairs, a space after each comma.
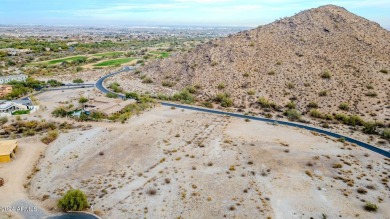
{"points": [[9, 78]]}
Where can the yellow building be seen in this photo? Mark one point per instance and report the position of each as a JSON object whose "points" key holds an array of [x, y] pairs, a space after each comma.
{"points": [[7, 150]]}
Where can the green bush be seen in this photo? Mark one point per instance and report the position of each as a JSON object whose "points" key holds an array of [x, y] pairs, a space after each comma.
{"points": [[132, 95], [371, 94], [370, 207], [325, 75], [312, 105], [168, 84], [291, 105], [221, 86], [265, 103], [184, 96], [147, 80], [370, 127], [207, 104], [227, 102], [323, 93], [293, 114], [344, 106], [73, 200], [386, 133], [78, 81], [112, 95], [251, 92], [290, 86], [59, 112], [50, 137], [315, 113]]}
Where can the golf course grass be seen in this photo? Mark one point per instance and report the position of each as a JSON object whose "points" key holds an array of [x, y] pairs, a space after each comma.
{"points": [[56, 61], [162, 54], [107, 54], [114, 62]]}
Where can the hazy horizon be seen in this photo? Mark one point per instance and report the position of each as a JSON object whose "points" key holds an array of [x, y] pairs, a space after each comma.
{"points": [[205, 13]]}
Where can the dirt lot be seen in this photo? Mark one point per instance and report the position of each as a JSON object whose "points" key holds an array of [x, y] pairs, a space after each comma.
{"points": [[169, 163]]}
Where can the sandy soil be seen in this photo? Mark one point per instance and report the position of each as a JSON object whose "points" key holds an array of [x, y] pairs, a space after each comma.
{"points": [[16, 173], [169, 163]]}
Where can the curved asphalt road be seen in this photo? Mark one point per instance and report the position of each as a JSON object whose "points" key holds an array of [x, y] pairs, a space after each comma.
{"points": [[99, 85]]}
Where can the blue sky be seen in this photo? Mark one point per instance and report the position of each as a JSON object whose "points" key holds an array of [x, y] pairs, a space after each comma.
{"points": [[174, 12]]}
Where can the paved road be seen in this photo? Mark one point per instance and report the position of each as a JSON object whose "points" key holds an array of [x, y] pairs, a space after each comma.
{"points": [[99, 85]]}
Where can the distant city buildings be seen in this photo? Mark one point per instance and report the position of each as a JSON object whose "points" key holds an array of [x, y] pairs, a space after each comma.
{"points": [[9, 78]]}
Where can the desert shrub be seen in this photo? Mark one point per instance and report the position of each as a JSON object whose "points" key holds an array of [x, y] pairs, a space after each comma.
{"points": [[355, 120], [251, 92], [3, 120], [111, 95], [323, 93], [293, 114], [29, 132], [221, 86], [246, 75], [224, 99], [184, 96], [291, 105], [344, 106], [83, 100], [265, 103], [59, 112], [227, 102], [386, 133], [325, 75], [315, 113], [132, 95], [147, 80], [162, 97], [271, 73], [384, 71], [168, 84], [50, 137], [290, 86], [370, 87], [78, 81], [207, 104], [192, 89], [73, 200], [370, 206], [370, 127], [115, 87], [371, 94], [312, 104]]}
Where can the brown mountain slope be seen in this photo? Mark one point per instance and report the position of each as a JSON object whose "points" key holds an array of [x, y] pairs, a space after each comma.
{"points": [[286, 59]]}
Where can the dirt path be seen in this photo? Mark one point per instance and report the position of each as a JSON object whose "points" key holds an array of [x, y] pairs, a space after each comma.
{"points": [[15, 174]]}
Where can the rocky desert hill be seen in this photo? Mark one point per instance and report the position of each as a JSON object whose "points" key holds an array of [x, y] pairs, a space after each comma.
{"points": [[325, 55]]}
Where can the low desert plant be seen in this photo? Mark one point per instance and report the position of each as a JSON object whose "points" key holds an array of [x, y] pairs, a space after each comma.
{"points": [[344, 106], [293, 114], [371, 94], [221, 86], [370, 206], [73, 200], [291, 105], [312, 104], [50, 137], [325, 75], [384, 71], [323, 93]]}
